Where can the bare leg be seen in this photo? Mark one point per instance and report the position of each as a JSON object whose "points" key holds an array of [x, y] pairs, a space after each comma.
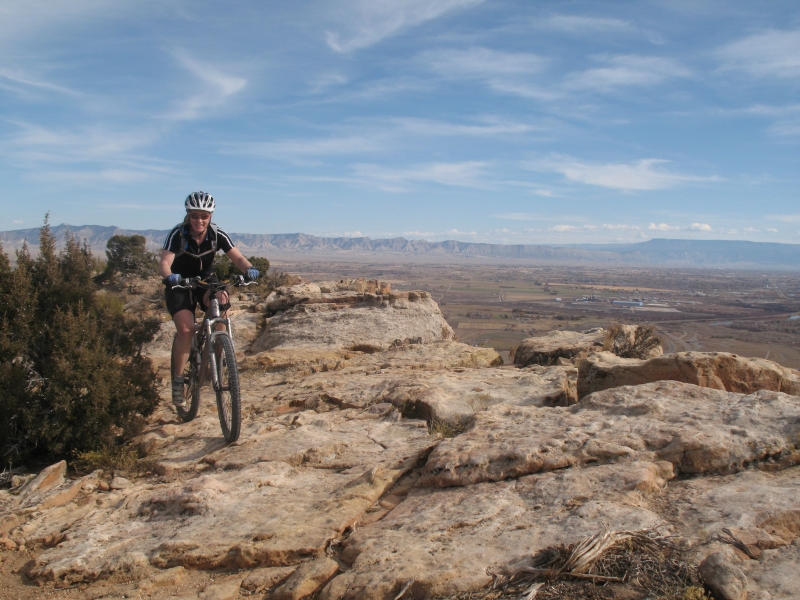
{"points": [[184, 327]]}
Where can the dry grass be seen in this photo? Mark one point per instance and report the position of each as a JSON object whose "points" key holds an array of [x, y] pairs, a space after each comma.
{"points": [[120, 458], [607, 566], [627, 341], [446, 429]]}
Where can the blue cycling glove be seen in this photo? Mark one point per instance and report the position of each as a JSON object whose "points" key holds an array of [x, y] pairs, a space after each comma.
{"points": [[174, 279], [252, 274]]}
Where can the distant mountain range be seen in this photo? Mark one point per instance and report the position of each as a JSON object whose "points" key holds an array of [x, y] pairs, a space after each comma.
{"points": [[656, 252]]}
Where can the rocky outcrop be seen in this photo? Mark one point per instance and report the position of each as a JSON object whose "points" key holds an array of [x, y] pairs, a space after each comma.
{"points": [[414, 470], [547, 349], [698, 430], [717, 370], [306, 316]]}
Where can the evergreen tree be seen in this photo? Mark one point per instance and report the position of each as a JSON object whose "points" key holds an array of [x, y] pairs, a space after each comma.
{"points": [[71, 366]]}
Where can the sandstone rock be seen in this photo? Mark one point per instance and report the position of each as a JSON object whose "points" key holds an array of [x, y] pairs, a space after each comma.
{"points": [[166, 578], [446, 539], [119, 483], [275, 499], [699, 430], [761, 509], [547, 349], [45, 481], [304, 316], [307, 579], [717, 370], [228, 590], [775, 575], [262, 579], [723, 578]]}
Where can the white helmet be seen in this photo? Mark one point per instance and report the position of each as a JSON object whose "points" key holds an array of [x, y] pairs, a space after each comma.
{"points": [[200, 201]]}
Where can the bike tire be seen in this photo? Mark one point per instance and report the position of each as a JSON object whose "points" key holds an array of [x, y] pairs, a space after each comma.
{"points": [[191, 389], [229, 403]]}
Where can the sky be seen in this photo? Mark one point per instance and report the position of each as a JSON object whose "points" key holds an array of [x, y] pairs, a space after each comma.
{"points": [[496, 121]]}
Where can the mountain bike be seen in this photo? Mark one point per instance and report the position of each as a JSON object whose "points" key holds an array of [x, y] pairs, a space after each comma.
{"points": [[212, 356]]}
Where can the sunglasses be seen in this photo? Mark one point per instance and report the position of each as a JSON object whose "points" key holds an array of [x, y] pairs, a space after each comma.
{"points": [[200, 216]]}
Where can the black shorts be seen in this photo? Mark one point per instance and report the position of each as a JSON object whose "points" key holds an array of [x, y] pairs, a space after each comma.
{"points": [[180, 299]]}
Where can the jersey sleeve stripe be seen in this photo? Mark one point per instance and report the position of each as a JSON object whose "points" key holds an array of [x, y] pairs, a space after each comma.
{"points": [[170, 237], [226, 236]]}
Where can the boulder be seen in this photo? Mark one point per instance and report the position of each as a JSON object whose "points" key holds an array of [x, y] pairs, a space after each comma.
{"points": [[547, 349], [304, 316], [723, 578], [717, 370]]}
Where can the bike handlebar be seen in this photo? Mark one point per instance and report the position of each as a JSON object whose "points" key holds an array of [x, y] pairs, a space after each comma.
{"points": [[192, 283]]}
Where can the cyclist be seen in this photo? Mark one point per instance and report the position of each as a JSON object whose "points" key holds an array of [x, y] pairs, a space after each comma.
{"points": [[189, 251]]}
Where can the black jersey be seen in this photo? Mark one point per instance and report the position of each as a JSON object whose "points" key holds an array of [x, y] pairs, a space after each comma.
{"points": [[191, 259]]}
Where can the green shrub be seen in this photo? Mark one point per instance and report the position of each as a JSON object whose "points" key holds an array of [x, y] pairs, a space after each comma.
{"points": [[128, 255], [224, 269], [71, 367]]}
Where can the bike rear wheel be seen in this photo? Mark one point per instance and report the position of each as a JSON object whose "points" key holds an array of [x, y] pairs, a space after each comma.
{"points": [[229, 403], [191, 389]]}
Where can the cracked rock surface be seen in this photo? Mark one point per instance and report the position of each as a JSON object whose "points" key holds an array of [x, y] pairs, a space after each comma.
{"points": [[418, 466]]}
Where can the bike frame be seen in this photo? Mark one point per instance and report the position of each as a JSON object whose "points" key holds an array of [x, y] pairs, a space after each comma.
{"points": [[208, 361]]}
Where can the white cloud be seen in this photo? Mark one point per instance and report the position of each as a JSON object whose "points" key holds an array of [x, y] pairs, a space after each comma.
{"points": [[645, 174], [591, 227], [663, 227], [785, 218], [216, 88], [628, 70], [370, 21], [24, 84], [506, 72], [700, 227], [17, 222], [518, 216], [772, 230], [583, 25], [296, 148], [462, 174], [771, 53]]}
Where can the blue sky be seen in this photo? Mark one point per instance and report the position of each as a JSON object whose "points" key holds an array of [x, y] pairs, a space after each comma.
{"points": [[499, 121]]}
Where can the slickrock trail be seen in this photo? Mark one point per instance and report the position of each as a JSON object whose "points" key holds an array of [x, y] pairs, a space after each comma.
{"points": [[380, 458]]}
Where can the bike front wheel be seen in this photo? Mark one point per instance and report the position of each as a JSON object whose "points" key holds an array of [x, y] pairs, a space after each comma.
{"points": [[191, 387], [229, 404]]}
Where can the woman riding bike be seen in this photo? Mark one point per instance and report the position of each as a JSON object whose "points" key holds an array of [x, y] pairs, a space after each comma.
{"points": [[189, 252]]}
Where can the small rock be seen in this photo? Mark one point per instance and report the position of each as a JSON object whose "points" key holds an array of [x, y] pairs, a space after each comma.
{"points": [[103, 486], [724, 579], [228, 590], [7, 544], [119, 483], [265, 578], [309, 578], [166, 578], [390, 501]]}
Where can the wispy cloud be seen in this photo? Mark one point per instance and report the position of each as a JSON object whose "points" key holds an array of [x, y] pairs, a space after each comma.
{"points": [[23, 83], [302, 148], [370, 21], [625, 71], [586, 25], [602, 227], [516, 216], [507, 72], [460, 174], [217, 87], [705, 227], [771, 53], [645, 174], [785, 218]]}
